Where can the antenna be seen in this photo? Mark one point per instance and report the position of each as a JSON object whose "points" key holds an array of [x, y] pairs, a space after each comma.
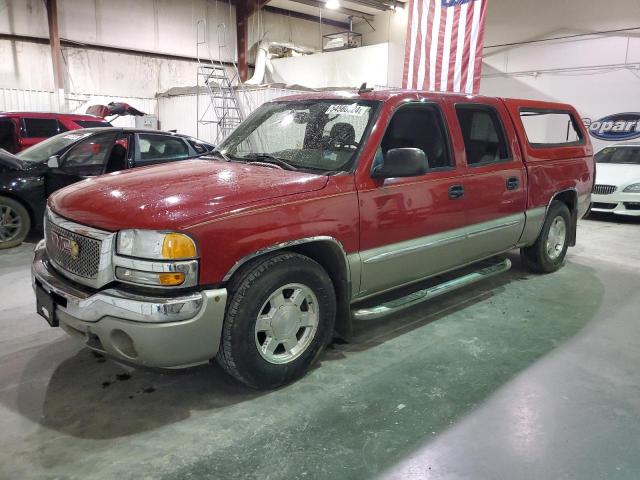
{"points": [[363, 88]]}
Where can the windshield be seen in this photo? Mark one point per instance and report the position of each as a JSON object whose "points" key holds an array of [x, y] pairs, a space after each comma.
{"points": [[314, 135], [623, 155], [51, 146]]}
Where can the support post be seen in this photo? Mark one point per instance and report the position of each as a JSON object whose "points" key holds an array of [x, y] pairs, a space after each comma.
{"points": [[56, 52], [242, 34]]}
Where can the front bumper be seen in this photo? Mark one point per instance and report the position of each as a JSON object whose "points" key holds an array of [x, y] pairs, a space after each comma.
{"points": [[619, 203], [166, 332]]}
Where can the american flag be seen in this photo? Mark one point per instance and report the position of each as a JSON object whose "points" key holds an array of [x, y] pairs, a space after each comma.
{"points": [[444, 45]]}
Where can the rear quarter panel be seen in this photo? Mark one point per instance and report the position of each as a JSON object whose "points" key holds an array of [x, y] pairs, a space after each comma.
{"points": [[554, 169]]}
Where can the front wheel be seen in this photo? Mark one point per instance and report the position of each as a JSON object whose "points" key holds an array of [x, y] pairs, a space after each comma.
{"points": [[15, 223], [279, 319], [548, 253]]}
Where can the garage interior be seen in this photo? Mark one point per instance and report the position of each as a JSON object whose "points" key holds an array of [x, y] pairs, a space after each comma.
{"points": [[519, 376]]}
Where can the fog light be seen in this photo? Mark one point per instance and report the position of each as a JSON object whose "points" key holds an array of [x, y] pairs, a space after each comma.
{"points": [[149, 278]]}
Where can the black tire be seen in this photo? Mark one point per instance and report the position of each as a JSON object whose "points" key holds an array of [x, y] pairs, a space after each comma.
{"points": [[537, 257], [15, 223], [249, 291]]}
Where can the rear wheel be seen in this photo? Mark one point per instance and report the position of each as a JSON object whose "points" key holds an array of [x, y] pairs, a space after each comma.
{"points": [[279, 319], [548, 253], [15, 223]]}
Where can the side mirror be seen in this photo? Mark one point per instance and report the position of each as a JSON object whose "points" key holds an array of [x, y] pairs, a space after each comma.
{"points": [[402, 162], [53, 162]]}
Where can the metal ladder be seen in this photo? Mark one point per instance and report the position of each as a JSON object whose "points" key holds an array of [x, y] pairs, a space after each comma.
{"points": [[220, 88]]}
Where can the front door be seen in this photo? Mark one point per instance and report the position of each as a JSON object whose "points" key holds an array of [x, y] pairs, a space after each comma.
{"points": [[86, 159], [411, 228], [495, 182], [8, 135]]}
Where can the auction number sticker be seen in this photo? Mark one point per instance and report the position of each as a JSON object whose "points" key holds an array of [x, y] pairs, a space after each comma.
{"points": [[347, 109]]}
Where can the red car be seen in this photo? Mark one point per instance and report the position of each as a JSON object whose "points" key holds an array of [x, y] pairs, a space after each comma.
{"points": [[316, 210], [20, 130]]}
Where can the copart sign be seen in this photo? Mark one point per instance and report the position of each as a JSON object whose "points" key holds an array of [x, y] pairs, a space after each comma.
{"points": [[615, 128]]}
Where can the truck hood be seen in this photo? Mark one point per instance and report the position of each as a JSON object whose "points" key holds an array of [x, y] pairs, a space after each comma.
{"points": [[617, 174], [176, 195]]}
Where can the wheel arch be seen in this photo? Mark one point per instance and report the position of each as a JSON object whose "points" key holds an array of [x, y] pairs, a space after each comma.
{"points": [[330, 254], [570, 198]]}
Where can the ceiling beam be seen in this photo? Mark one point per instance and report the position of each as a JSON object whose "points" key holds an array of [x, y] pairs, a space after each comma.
{"points": [[343, 11]]}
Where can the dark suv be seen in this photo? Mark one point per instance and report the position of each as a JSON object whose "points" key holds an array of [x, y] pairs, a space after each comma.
{"points": [[28, 178]]}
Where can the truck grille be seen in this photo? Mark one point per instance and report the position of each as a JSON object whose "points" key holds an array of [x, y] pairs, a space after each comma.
{"points": [[604, 189], [72, 252]]}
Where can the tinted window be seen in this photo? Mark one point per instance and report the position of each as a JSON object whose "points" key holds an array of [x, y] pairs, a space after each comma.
{"points": [[418, 126], [548, 127], [483, 135], [162, 147], [92, 123], [41, 127], [624, 155], [89, 156]]}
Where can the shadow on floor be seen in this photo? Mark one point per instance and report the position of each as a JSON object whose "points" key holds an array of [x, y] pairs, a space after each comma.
{"points": [[440, 361], [612, 218]]}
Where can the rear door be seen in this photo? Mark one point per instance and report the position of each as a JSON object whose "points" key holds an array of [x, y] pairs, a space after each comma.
{"points": [[86, 159], [495, 181], [152, 148], [411, 228]]}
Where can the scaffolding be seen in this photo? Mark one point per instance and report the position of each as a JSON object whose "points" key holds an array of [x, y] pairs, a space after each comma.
{"points": [[222, 106]]}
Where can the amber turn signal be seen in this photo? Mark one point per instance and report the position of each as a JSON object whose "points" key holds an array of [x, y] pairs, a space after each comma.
{"points": [[171, 278], [178, 246]]}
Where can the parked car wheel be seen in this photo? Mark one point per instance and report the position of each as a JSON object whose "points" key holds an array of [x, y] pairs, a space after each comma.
{"points": [[15, 223], [548, 253], [279, 318]]}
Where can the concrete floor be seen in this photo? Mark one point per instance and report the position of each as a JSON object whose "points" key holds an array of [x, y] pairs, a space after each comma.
{"points": [[522, 376]]}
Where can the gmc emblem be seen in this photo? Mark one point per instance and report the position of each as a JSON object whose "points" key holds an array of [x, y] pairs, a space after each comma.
{"points": [[66, 245]]}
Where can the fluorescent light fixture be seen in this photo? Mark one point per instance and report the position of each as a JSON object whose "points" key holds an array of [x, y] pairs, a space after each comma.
{"points": [[333, 4]]}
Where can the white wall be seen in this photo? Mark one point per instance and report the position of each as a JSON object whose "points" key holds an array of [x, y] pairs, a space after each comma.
{"points": [[343, 68]]}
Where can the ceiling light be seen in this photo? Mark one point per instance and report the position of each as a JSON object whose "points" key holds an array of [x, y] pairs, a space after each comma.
{"points": [[333, 4]]}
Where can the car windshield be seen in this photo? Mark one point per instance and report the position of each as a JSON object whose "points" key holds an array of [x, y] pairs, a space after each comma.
{"points": [[623, 155], [51, 146], [314, 135]]}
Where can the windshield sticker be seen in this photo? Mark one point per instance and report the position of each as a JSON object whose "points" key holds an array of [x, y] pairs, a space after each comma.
{"points": [[347, 109], [75, 136]]}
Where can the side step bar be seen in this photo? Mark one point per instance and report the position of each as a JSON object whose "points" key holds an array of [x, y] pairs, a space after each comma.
{"points": [[396, 305]]}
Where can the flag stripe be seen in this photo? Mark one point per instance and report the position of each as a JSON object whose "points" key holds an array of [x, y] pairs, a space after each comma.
{"points": [[444, 45]]}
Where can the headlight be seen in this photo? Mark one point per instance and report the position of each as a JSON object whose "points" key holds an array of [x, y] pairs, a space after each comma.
{"points": [[156, 245], [633, 188], [160, 259]]}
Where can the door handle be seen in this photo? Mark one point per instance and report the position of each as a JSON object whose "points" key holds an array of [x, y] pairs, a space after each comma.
{"points": [[456, 191], [512, 183]]}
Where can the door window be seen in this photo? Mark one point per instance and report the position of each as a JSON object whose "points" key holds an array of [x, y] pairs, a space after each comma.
{"points": [[418, 126], [162, 147], [41, 127], [8, 139], [89, 157], [484, 139]]}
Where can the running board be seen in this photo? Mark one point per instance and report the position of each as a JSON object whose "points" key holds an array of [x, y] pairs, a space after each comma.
{"points": [[398, 304]]}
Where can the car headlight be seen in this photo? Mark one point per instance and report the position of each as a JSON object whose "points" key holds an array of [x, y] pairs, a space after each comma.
{"points": [[151, 258], [150, 244], [633, 188]]}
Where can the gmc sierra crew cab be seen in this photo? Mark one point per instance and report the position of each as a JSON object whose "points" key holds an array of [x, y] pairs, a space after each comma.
{"points": [[317, 210]]}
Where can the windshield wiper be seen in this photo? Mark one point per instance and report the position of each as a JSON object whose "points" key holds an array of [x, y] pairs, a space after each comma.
{"points": [[266, 158]]}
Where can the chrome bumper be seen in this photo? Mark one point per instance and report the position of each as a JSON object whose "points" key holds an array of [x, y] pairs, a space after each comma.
{"points": [[169, 332]]}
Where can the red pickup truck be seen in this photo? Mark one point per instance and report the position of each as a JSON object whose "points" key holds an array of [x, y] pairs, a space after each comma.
{"points": [[316, 210]]}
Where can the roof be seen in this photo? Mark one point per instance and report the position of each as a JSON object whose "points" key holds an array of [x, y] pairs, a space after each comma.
{"points": [[132, 130], [77, 116]]}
